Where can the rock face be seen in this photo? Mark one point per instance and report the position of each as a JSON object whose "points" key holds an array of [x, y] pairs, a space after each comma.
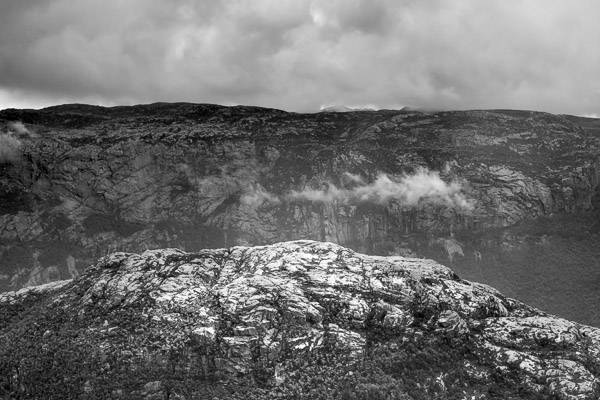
{"points": [[84, 181], [234, 311]]}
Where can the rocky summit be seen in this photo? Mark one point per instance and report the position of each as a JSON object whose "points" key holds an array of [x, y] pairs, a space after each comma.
{"points": [[299, 319], [504, 197]]}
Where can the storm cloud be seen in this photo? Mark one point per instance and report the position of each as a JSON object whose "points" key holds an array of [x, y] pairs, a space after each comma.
{"points": [[301, 55]]}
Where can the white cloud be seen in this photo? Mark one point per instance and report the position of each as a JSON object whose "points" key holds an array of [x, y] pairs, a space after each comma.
{"points": [[423, 186]]}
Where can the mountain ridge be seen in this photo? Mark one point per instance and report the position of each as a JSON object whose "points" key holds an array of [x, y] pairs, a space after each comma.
{"points": [[86, 181]]}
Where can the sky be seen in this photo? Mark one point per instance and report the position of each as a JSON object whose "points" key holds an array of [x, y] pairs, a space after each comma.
{"points": [[303, 55]]}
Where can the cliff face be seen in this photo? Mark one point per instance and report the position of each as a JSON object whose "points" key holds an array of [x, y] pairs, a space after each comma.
{"points": [[293, 318], [84, 181]]}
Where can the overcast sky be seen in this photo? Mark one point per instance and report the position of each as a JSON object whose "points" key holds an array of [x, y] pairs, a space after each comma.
{"points": [[300, 55]]}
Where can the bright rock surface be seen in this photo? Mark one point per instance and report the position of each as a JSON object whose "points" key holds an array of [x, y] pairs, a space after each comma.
{"points": [[294, 298]]}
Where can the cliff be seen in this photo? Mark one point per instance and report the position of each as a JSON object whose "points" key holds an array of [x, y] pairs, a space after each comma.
{"points": [[84, 181], [297, 319]]}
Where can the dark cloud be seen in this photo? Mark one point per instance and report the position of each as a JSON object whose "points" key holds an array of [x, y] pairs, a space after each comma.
{"points": [[300, 54]]}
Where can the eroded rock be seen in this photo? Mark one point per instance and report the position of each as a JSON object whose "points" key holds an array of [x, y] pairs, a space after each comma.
{"points": [[264, 306]]}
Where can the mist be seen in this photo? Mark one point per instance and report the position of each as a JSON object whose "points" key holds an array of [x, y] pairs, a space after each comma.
{"points": [[20, 129], [10, 142], [9, 148], [256, 196], [424, 186], [421, 187]]}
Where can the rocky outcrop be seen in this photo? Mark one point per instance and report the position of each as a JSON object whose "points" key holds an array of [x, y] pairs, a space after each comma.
{"points": [[240, 309]]}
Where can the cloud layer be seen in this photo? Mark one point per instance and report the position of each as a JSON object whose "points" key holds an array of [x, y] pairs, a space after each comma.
{"points": [[302, 54], [423, 186]]}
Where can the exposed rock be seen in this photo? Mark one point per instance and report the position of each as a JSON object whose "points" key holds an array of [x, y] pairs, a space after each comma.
{"points": [[451, 321], [245, 308], [153, 391], [24, 293]]}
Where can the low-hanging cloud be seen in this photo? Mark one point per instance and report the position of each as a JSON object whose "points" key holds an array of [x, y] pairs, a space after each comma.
{"points": [[423, 186], [11, 142], [10, 148], [20, 129], [256, 196]]}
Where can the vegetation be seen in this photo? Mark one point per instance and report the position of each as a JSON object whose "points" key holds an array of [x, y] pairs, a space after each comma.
{"points": [[550, 263], [13, 200], [49, 352], [98, 223]]}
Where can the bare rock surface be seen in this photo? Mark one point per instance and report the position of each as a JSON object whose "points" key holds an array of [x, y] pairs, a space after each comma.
{"points": [[244, 308]]}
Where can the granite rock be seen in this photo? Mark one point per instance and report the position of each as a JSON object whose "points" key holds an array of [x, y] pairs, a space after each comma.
{"points": [[271, 304]]}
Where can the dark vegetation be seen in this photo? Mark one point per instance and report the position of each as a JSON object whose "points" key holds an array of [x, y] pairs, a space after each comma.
{"points": [[13, 200], [50, 352], [194, 237], [16, 257], [552, 263], [98, 223]]}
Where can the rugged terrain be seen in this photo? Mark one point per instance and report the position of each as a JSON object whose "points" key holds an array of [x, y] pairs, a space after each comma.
{"points": [[503, 197], [299, 319]]}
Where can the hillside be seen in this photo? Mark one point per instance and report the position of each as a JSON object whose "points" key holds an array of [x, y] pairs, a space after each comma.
{"points": [[492, 194], [302, 319]]}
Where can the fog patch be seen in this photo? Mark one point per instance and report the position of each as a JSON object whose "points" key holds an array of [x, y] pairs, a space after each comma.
{"points": [[256, 196], [349, 177], [11, 142], [422, 187], [10, 148], [20, 129]]}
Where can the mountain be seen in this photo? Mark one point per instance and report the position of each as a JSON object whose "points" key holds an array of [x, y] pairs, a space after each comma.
{"points": [[504, 197], [300, 319]]}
